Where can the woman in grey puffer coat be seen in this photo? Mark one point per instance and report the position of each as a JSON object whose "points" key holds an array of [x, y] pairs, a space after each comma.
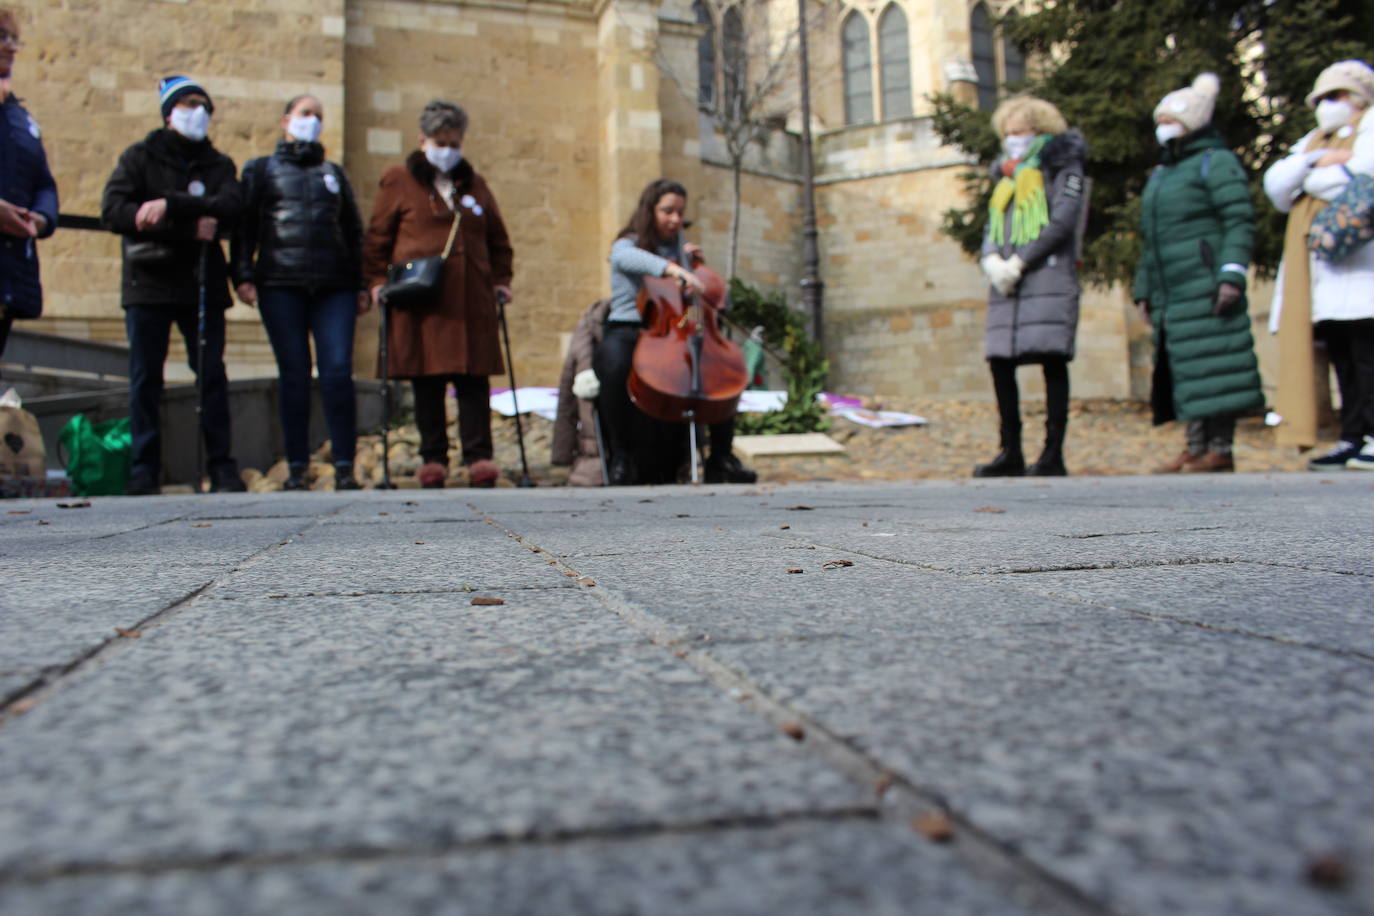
{"points": [[1030, 258]]}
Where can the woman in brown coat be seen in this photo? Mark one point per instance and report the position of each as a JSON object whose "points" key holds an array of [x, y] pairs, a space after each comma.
{"points": [[457, 339]]}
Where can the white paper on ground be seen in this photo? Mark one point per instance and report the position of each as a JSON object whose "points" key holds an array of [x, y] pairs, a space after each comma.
{"points": [[542, 402], [876, 418]]}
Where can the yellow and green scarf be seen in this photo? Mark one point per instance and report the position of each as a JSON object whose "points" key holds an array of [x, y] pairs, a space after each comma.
{"points": [[1024, 190]]}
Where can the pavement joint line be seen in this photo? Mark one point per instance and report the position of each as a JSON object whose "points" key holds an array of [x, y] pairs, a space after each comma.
{"points": [[1201, 625], [278, 596], [1124, 534], [47, 685], [901, 800], [1143, 564], [535, 838]]}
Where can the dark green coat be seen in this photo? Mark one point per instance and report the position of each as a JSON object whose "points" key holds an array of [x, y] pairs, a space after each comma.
{"points": [[1198, 228]]}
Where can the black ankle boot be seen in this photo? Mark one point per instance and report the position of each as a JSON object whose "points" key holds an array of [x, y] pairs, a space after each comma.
{"points": [[728, 470], [622, 471], [1051, 460], [1009, 461]]}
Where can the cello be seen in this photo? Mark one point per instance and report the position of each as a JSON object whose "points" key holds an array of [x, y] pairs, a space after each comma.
{"points": [[684, 370]]}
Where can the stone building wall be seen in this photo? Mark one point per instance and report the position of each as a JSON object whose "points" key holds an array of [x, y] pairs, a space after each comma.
{"points": [[527, 78], [89, 73]]}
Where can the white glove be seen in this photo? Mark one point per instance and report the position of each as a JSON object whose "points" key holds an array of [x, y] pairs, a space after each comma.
{"points": [[1016, 268], [992, 265], [586, 385], [999, 273], [1003, 273]]}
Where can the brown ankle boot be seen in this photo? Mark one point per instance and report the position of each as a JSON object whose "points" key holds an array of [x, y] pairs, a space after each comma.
{"points": [[1210, 463], [1184, 458]]}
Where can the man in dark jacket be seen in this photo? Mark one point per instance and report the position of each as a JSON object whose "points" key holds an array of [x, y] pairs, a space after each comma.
{"points": [[28, 195], [172, 197]]}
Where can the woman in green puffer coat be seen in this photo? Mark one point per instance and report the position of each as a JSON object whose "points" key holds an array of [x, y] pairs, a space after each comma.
{"points": [[1198, 228]]}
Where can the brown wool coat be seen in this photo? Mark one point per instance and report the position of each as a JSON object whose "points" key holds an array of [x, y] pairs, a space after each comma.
{"points": [[459, 335], [574, 428]]}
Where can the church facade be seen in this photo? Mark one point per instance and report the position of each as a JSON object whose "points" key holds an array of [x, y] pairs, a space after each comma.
{"points": [[575, 106]]}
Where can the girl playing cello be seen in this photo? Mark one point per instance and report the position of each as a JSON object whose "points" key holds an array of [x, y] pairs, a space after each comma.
{"points": [[650, 245]]}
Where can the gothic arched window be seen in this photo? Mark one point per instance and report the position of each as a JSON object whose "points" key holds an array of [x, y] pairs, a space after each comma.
{"points": [[735, 67], [706, 56], [894, 59], [857, 60], [984, 56], [1013, 61]]}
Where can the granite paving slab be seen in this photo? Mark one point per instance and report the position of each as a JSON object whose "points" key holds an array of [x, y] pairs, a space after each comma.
{"points": [[821, 866], [375, 723], [1157, 767], [1312, 607]]}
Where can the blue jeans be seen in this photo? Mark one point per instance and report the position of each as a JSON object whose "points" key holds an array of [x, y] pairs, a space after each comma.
{"points": [[291, 315], [149, 331]]}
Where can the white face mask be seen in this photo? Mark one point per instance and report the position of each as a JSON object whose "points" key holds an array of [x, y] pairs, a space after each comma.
{"points": [[1017, 145], [306, 130], [1333, 114], [1166, 132], [191, 123], [443, 158]]}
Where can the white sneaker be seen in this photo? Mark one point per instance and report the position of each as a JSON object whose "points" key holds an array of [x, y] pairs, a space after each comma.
{"points": [[1364, 461]]}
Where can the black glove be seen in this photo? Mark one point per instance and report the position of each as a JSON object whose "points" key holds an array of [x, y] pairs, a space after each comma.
{"points": [[1227, 300]]}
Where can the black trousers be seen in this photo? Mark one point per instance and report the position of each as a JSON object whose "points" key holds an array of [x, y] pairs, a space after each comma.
{"points": [[149, 331], [655, 448], [1056, 369], [6, 322], [1350, 344], [474, 416]]}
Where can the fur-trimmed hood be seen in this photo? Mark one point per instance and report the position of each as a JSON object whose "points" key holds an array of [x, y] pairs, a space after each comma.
{"points": [[424, 173], [1065, 149]]}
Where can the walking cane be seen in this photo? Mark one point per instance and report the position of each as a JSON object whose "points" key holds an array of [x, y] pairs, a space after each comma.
{"points": [[501, 300], [386, 483], [202, 318]]}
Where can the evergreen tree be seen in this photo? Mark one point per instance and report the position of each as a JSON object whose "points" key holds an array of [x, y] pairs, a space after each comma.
{"points": [[1107, 65]]}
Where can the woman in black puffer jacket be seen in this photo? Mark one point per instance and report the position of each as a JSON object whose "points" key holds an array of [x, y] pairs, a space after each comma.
{"points": [[297, 255]]}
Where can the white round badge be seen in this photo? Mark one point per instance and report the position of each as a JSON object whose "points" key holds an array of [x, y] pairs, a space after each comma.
{"points": [[476, 209], [331, 183], [33, 129], [468, 201], [196, 188]]}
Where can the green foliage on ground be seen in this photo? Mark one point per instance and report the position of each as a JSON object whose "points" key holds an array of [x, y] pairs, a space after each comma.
{"points": [[1107, 65], [784, 332]]}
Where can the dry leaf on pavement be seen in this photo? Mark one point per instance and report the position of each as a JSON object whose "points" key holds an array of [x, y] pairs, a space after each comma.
{"points": [[1328, 870], [586, 580], [795, 569], [784, 527], [934, 826], [128, 634], [837, 564], [793, 730], [481, 601], [203, 525], [992, 509]]}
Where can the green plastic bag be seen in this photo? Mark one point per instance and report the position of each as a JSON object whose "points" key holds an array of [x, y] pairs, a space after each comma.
{"points": [[97, 455]]}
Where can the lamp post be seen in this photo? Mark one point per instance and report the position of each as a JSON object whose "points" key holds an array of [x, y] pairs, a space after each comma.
{"points": [[812, 287]]}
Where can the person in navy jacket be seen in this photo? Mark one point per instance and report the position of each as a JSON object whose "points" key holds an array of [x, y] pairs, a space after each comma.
{"points": [[28, 194]]}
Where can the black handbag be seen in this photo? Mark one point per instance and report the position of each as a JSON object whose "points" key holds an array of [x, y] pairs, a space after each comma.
{"points": [[416, 284]]}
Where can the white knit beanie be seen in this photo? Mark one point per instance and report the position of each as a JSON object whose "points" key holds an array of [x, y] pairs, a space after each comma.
{"points": [[1355, 76], [1192, 107]]}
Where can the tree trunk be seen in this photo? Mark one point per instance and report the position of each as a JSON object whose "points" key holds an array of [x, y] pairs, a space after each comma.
{"points": [[736, 168]]}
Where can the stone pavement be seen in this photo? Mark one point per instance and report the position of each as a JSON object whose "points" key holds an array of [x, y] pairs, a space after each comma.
{"points": [[1115, 695]]}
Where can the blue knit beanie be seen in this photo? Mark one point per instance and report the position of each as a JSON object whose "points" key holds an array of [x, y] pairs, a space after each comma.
{"points": [[172, 88]]}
